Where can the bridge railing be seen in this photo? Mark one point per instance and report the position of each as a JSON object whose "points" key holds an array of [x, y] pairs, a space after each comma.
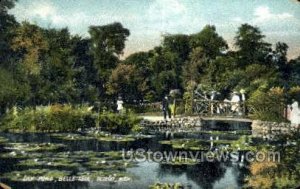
{"points": [[222, 108], [198, 107]]}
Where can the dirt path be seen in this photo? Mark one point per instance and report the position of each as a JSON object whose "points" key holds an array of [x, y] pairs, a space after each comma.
{"points": [[153, 118]]}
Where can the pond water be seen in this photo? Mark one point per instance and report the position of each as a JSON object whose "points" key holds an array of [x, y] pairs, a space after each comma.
{"points": [[201, 175]]}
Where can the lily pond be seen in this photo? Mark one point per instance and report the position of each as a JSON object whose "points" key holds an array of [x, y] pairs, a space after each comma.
{"points": [[94, 159]]}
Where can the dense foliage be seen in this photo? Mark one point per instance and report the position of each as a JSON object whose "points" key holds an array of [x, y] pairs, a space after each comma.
{"points": [[282, 174], [267, 105], [118, 123], [61, 118], [67, 118], [42, 66]]}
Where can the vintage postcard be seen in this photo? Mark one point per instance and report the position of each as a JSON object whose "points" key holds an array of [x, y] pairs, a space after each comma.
{"points": [[149, 94]]}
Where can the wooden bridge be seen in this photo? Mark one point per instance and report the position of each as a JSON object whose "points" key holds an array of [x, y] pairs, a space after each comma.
{"points": [[219, 108], [204, 110], [198, 111]]}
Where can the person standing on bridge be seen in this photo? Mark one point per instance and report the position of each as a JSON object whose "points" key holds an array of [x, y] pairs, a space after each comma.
{"points": [[166, 108]]}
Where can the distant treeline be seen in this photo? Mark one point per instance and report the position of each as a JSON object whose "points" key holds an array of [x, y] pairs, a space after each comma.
{"points": [[41, 66]]}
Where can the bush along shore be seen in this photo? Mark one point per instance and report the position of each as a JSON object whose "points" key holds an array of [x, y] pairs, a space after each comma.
{"points": [[66, 118]]}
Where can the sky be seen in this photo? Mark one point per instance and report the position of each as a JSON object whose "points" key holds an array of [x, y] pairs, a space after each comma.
{"points": [[149, 20]]}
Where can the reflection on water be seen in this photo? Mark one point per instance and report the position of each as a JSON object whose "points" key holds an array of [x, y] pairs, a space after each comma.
{"points": [[203, 175], [226, 125]]}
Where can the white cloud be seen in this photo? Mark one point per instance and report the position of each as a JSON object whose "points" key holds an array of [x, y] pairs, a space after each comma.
{"points": [[68, 20], [165, 16], [263, 14], [35, 9], [237, 19], [165, 8], [175, 5], [43, 10], [170, 6], [47, 13]]}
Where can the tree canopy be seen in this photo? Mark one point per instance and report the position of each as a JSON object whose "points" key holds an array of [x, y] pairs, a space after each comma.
{"points": [[40, 66]]}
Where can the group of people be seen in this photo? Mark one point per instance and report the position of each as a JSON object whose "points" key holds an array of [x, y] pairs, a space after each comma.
{"points": [[235, 100], [165, 107]]}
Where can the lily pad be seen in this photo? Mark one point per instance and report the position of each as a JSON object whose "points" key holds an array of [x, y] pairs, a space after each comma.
{"points": [[20, 155], [71, 137], [49, 163], [244, 143], [187, 144], [104, 136], [3, 140], [115, 138], [103, 164], [34, 147], [112, 155]]}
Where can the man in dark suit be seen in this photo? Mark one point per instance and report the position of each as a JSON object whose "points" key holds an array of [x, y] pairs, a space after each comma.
{"points": [[166, 108]]}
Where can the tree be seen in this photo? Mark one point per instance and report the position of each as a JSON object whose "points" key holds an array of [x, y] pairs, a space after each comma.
{"points": [[251, 44], [11, 90], [7, 27], [144, 72], [178, 44], [222, 74], [295, 71], [5, 5], [193, 69], [29, 43], [85, 74], [124, 81], [177, 48], [164, 77], [257, 76], [108, 42], [139, 59], [267, 105], [57, 84], [281, 61], [209, 40], [201, 66]]}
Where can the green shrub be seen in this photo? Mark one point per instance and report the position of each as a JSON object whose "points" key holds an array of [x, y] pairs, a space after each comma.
{"points": [[180, 107], [294, 93], [67, 118], [118, 123], [267, 106], [48, 118]]}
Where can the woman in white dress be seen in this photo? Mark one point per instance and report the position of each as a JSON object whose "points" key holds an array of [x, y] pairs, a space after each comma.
{"points": [[295, 113], [120, 105], [235, 102]]}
